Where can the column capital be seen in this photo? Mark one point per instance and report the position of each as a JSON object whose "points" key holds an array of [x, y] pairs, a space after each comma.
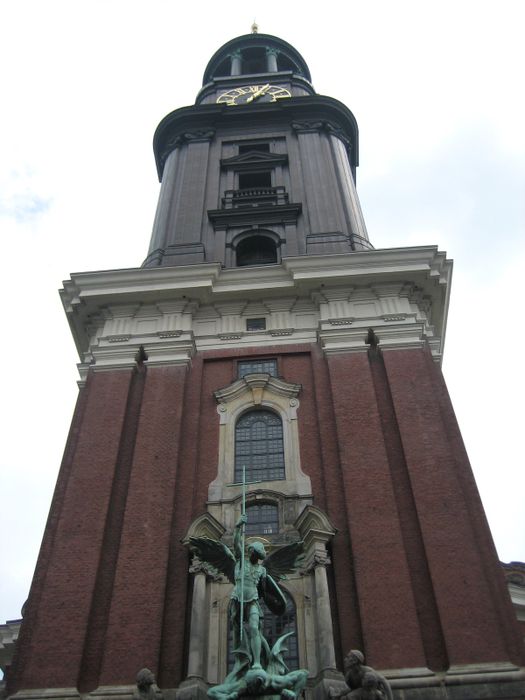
{"points": [[319, 558]]}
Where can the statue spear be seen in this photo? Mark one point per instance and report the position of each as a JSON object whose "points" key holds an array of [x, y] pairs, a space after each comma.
{"points": [[243, 512], [243, 526]]}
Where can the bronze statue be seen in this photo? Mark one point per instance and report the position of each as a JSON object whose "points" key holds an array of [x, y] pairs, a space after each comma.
{"points": [[362, 681], [258, 668]]}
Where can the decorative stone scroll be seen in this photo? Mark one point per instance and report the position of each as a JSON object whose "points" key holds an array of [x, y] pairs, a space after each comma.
{"points": [[198, 135], [321, 125]]}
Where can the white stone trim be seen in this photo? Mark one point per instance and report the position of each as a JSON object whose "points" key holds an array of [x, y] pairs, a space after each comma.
{"points": [[263, 391], [402, 293], [401, 335], [517, 596], [204, 526], [9, 632]]}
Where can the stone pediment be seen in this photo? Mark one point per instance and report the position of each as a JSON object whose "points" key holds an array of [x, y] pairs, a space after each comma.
{"points": [[257, 384], [204, 526], [253, 159]]}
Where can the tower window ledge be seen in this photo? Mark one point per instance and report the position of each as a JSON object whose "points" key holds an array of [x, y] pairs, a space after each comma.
{"points": [[263, 213], [254, 196]]}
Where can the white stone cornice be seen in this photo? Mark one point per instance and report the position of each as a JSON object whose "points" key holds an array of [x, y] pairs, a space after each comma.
{"points": [[374, 263], [353, 339], [140, 284], [303, 299], [129, 283], [9, 632], [115, 354], [171, 352]]}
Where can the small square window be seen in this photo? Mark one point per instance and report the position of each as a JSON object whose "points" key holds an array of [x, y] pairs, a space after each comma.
{"points": [[255, 324]]}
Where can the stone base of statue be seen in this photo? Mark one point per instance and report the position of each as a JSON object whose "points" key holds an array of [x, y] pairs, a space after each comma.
{"points": [[274, 681], [259, 683], [192, 689], [320, 686]]}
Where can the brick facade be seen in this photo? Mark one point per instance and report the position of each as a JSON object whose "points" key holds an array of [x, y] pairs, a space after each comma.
{"points": [[414, 574]]}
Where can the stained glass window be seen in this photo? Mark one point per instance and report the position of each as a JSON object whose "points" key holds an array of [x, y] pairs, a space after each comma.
{"points": [[259, 447], [257, 367], [263, 519]]}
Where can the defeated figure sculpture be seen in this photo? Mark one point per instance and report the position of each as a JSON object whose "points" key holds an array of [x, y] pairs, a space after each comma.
{"points": [[362, 681], [258, 669], [145, 685]]}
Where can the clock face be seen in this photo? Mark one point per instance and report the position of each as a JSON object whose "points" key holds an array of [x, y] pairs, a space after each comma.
{"points": [[253, 93]]}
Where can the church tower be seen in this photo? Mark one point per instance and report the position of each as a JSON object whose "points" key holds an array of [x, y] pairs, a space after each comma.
{"points": [[264, 330]]}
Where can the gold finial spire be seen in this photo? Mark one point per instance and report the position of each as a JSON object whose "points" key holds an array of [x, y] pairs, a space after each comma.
{"points": [[255, 27]]}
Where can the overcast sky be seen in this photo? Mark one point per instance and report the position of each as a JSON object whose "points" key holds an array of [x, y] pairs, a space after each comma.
{"points": [[437, 89]]}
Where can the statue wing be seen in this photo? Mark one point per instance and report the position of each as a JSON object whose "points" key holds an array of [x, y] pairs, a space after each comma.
{"points": [[216, 554], [285, 560]]}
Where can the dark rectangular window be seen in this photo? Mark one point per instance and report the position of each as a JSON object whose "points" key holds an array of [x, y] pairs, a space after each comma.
{"points": [[249, 147], [254, 60], [250, 181], [255, 324], [257, 367]]}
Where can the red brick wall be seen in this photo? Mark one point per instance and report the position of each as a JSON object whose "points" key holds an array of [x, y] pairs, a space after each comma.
{"points": [[413, 566], [94, 646], [391, 635], [73, 540], [438, 475], [493, 574], [426, 608], [135, 620], [28, 629]]}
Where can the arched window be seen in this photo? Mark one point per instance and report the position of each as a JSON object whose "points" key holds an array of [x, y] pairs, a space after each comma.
{"points": [[263, 519], [256, 250], [274, 627], [259, 446]]}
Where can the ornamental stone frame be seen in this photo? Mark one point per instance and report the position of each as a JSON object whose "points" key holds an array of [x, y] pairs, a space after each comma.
{"points": [[298, 519], [257, 391]]}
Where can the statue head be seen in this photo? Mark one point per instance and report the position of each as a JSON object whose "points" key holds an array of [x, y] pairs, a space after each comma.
{"points": [[145, 679], [258, 549], [354, 658], [256, 680]]}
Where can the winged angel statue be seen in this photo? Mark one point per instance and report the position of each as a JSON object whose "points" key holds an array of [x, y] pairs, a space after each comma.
{"points": [[258, 669]]}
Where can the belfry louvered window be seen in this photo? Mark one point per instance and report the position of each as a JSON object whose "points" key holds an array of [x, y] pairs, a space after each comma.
{"points": [[259, 446]]}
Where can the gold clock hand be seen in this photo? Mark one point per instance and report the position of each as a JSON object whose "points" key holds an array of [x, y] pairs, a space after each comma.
{"points": [[259, 92]]}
